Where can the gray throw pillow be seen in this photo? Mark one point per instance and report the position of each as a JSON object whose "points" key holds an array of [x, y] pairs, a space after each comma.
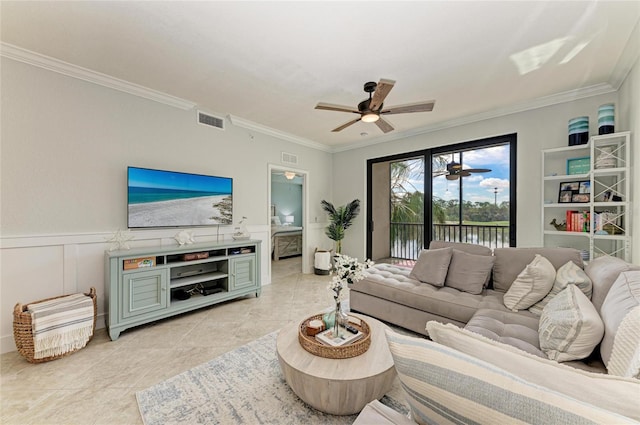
{"points": [[432, 266], [468, 272]]}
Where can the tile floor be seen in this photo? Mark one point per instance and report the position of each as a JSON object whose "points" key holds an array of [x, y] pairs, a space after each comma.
{"points": [[97, 384]]}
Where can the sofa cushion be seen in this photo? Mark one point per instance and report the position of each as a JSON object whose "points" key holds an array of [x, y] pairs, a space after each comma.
{"points": [[393, 283], [468, 272], [620, 312], [570, 327], [516, 329], [570, 273], [532, 284], [432, 266], [511, 261], [442, 383], [469, 248], [603, 271], [612, 393]]}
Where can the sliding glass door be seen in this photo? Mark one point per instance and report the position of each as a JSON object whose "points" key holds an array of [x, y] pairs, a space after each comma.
{"points": [[459, 193], [470, 199]]}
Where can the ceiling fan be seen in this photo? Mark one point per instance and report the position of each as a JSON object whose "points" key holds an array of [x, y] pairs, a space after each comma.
{"points": [[455, 171], [372, 109]]}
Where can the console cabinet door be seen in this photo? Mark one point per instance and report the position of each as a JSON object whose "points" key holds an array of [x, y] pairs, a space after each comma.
{"points": [[242, 273], [144, 292]]}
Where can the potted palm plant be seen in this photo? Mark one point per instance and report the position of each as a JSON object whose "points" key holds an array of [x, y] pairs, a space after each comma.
{"points": [[340, 219]]}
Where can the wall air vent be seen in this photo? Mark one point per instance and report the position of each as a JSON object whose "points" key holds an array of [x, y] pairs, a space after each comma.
{"points": [[210, 120], [289, 158]]}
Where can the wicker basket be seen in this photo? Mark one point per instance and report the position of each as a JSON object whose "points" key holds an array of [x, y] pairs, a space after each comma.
{"points": [[316, 348], [23, 332]]}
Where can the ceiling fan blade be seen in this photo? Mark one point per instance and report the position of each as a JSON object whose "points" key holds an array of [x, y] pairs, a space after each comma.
{"points": [[410, 107], [382, 90], [345, 125], [464, 173], [477, 170], [384, 125], [451, 177], [339, 108]]}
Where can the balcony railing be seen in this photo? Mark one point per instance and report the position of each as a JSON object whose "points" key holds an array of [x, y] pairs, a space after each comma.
{"points": [[407, 238]]}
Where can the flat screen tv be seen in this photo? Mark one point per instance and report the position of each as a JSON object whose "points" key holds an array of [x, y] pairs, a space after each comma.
{"points": [[158, 198]]}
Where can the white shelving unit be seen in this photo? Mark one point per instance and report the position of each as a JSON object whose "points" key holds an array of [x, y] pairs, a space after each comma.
{"points": [[606, 212]]}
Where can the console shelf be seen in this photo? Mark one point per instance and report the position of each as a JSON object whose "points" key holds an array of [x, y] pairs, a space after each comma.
{"points": [[148, 284]]}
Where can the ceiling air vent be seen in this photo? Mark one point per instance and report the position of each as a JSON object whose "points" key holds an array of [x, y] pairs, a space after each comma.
{"points": [[210, 120], [289, 158]]}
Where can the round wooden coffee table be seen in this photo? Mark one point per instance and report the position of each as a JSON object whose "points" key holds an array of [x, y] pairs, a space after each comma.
{"points": [[337, 386]]}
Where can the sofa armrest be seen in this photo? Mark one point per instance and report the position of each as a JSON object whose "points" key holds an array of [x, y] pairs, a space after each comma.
{"points": [[612, 393]]}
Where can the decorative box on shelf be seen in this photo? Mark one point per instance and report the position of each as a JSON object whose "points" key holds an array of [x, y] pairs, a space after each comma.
{"points": [[137, 263], [195, 256]]}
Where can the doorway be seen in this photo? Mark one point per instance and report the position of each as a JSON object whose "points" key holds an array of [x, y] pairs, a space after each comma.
{"points": [[287, 214]]}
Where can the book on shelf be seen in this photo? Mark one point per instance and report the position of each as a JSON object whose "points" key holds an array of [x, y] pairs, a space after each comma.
{"points": [[345, 338], [578, 221]]}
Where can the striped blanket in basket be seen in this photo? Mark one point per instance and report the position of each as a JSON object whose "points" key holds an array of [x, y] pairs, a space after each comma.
{"points": [[61, 325]]}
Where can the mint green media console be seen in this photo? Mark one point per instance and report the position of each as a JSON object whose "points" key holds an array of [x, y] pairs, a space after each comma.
{"points": [[148, 284]]}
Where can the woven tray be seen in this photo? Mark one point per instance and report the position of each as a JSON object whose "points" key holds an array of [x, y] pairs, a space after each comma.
{"points": [[316, 348], [23, 332]]}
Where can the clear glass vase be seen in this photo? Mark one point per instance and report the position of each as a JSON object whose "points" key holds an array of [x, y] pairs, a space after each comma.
{"points": [[336, 321]]}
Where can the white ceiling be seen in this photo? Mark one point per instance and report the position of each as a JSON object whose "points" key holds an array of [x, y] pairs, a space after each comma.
{"points": [[270, 63]]}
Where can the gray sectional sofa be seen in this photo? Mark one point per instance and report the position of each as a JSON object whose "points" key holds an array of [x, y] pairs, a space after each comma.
{"points": [[391, 294], [551, 352]]}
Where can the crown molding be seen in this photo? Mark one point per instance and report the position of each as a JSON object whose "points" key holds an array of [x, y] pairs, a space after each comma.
{"points": [[250, 125], [36, 59], [541, 102]]}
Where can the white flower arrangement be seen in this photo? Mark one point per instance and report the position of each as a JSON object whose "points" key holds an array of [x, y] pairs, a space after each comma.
{"points": [[346, 271]]}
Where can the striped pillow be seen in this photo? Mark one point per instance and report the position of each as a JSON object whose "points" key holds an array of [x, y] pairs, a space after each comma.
{"points": [[570, 327], [444, 385]]}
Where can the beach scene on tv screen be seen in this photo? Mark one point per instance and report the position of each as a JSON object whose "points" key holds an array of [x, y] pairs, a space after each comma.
{"points": [[159, 198]]}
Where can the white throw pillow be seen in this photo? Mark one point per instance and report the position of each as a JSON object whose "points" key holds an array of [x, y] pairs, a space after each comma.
{"points": [[570, 273], [570, 327], [432, 266], [531, 285], [608, 392], [620, 347]]}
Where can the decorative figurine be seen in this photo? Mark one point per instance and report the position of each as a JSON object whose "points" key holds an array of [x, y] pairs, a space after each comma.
{"points": [[120, 240], [561, 227]]}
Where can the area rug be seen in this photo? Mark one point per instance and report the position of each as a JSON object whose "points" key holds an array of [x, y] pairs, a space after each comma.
{"points": [[243, 386]]}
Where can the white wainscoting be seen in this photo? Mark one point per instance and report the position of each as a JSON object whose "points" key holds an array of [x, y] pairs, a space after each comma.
{"points": [[38, 267]]}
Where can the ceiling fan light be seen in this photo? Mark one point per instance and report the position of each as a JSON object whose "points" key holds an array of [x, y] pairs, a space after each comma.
{"points": [[289, 175], [370, 117]]}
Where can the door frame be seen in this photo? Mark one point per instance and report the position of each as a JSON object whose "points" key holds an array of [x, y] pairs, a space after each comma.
{"points": [[305, 212]]}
